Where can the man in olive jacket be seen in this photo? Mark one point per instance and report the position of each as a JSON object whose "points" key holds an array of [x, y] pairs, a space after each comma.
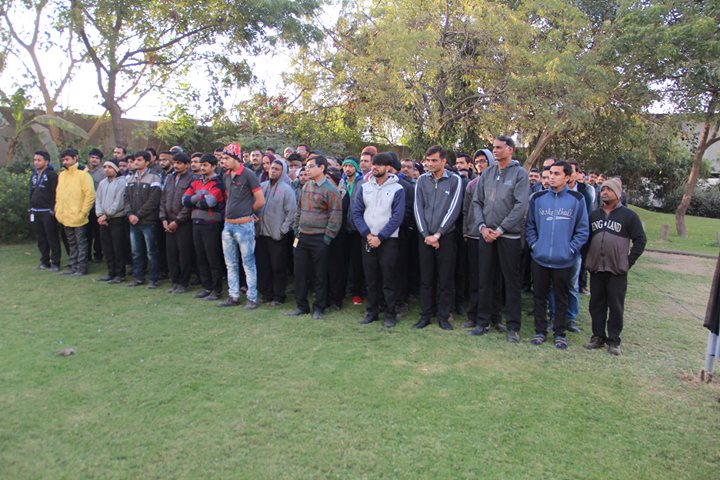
{"points": [[74, 198]]}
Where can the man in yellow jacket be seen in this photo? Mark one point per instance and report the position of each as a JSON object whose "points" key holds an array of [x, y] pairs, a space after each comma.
{"points": [[74, 198]]}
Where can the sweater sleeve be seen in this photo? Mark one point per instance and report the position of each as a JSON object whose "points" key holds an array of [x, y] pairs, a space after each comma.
{"points": [[398, 210], [478, 201], [637, 235], [357, 210], [419, 207], [88, 189], [335, 219], [289, 206]]}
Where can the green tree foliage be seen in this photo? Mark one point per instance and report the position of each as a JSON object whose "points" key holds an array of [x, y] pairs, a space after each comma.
{"points": [[137, 47], [676, 46], [459, 72]]}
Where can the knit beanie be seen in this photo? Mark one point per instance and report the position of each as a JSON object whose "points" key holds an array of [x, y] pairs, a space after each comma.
{"points": [[615, 185], [353, 162], [233, 150], [110, 163]]}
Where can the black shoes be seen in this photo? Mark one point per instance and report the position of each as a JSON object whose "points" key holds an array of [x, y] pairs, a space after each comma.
{"points": [[317, 315], [390, 322], [104, 278], [212, 296], [513, 337], [369, 318], [573, 327], [500, 328], [153, 285], [251, 305], [116, 280], [445, 324], [202, 294], [538, 339], [561, 343], [479, 331], [422, 323], [135, 283], [296, 313]]}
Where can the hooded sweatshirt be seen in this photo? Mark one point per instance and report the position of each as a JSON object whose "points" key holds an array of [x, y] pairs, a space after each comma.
{"points": [[501, 199], [379, 209], [277, 215], [74, 197], [557, 227], [469, 221]]}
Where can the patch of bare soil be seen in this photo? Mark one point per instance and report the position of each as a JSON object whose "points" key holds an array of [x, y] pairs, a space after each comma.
{"points": [[674, 263]]}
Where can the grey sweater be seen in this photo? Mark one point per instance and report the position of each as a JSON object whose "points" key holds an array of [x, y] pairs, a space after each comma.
{"points": [[110, 198], [501, 199], [277, 215]]}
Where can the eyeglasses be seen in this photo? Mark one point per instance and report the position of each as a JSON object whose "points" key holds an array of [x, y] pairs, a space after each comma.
{"points": [[310, 165]]}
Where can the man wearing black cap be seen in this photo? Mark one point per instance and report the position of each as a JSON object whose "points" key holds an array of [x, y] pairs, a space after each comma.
{"points": [[438, 200], [206, 197], [110, 212], [378, 212], [177, 228]]}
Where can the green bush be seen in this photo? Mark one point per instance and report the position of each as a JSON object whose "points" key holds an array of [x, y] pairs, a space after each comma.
{"points": [[705, 202], [14, 202]]}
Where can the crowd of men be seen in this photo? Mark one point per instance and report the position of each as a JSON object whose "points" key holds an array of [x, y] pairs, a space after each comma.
{"points": [[465, 239]]}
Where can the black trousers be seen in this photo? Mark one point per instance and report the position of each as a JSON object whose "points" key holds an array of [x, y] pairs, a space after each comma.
{"points": [[527, 268], [208, 252], [311, 265], [93, 236], [180, 254], [437, 266], [78, 248], [354, 246], [461, 273], [272, 267], [560, 278], [45, 229], [402, 264], [337, 269], [381, 276], [499, 261], [607, 305], [162, 249], [114, 237], [474, 281]]}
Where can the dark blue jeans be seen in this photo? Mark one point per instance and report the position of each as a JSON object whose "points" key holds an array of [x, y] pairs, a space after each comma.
{"points": [[144, 247]]}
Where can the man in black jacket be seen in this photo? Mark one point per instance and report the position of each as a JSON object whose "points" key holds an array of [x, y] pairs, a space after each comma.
{"points": [[613, 228], [42, 216], [438, 200], [142, 203]]}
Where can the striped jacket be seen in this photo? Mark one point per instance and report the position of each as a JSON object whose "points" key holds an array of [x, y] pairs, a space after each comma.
{"points": [[320, 210], [437, 203]]}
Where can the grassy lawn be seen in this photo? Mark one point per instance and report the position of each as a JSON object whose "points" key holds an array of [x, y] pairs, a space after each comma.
{"points": [[702, 232], [171, 387]]}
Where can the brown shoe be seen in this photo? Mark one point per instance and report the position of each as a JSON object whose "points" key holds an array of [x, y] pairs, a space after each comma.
{"points": [[595, 343], [614, 350]]}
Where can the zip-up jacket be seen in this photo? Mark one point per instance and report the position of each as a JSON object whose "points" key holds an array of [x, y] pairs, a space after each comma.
{"points": [[610, 238], [74, 196], [206, 197], [557, 227], [277, 215], [409, 188], [437, 203], [469, 221], [501, 199], [379, 209], [110, 198], [348, 194], [142, 197], [171, 205], [42, 190]]}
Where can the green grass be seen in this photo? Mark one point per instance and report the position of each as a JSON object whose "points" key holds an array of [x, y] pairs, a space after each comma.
{"points": [[170, 387], [702, 232]]}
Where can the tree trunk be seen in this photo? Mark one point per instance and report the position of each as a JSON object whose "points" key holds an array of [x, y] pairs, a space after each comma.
{"points": [[690, 186], [116, 122], [695, 170], [12, 145], [545, 137]]}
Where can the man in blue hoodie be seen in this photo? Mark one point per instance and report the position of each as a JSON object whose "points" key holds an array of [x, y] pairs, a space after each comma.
{"points": [[557, 228]]}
